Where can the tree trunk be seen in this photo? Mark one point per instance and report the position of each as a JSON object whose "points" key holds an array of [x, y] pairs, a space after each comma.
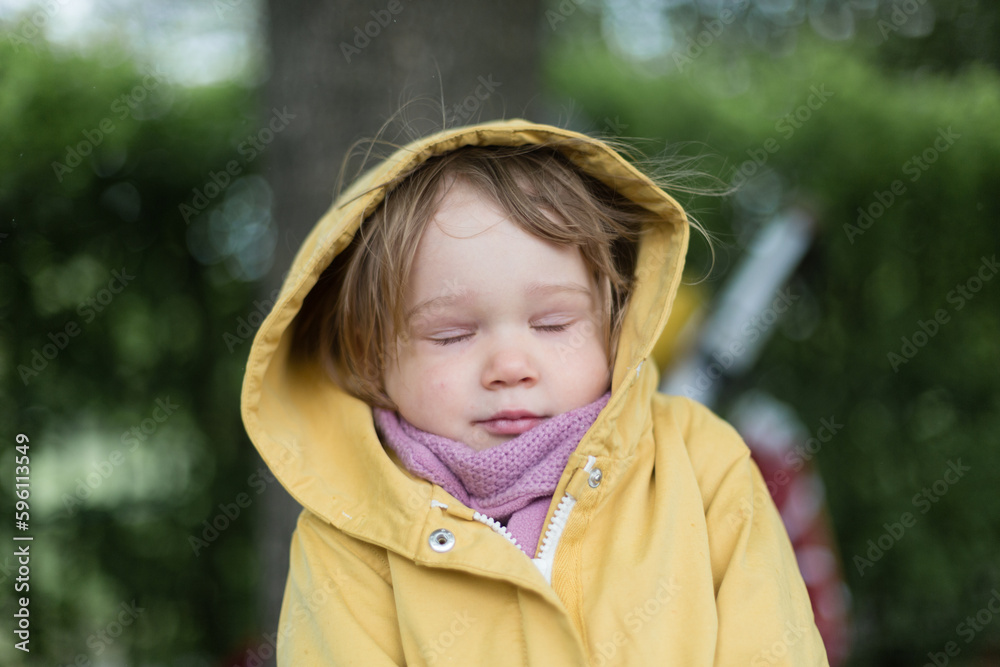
{"points": [[342, 68]]}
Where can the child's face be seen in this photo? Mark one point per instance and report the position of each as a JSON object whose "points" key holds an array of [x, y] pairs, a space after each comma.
{"points": [[514, 325]]}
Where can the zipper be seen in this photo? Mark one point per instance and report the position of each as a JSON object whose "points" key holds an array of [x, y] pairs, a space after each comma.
{"points": [[498, 528], [552, 534], [547, 554]]}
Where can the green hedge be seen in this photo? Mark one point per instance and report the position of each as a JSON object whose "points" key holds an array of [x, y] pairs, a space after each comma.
{"points": [[114, 362], [866, 287]]}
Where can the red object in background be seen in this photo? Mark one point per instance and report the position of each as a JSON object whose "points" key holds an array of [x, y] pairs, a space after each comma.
{"points": [[783, 451], [254, 652]]}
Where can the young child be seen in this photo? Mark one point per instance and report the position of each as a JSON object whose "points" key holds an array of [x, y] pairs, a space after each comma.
{"points": [[452, 384]]}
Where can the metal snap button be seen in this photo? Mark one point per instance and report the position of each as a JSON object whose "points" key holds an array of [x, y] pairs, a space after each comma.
{"points": [[441, 540], [595, 478]]}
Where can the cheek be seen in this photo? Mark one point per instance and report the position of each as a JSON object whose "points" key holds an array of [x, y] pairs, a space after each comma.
{"points": [[431, 374], [445, 378], [579, 350], [588, 367]]}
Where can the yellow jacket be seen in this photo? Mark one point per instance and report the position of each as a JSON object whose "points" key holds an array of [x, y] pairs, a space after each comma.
{"points": [[665, 550]]}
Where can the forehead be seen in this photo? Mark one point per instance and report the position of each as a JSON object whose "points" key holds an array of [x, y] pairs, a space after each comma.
{"points": [[471, 247], [470, 233]]}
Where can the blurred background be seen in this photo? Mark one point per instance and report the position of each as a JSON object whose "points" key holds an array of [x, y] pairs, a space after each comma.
{"points": [[161, 162]]}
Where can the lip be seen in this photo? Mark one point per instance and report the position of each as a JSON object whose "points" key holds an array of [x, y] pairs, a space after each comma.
{"points": [[512, 414], [511, 422]]}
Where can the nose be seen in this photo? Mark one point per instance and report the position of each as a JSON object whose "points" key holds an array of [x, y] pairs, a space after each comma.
{"points": [[509, 365]]}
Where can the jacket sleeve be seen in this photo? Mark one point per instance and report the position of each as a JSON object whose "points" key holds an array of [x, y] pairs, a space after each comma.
{"points": [[338, 607], [764, 614]]}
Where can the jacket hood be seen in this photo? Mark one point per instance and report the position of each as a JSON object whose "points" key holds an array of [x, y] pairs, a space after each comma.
{"points": [[321, 443]]}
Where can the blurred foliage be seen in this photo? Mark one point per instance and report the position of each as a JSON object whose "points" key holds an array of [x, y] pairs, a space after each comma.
{"points": [[951, 33], [864, 289], [115, 365]]}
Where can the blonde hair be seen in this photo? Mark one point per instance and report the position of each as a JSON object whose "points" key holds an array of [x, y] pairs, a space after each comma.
{"points": [[358, 303]]}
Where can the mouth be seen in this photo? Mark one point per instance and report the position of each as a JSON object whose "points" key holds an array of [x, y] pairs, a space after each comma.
{"points": [[511, 422]]}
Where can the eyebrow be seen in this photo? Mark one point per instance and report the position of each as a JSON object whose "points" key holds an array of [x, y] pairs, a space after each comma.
{"points": [[533, 289]]}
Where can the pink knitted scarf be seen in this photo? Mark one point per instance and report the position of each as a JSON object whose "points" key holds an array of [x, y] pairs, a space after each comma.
{"points": [[512, 482]]}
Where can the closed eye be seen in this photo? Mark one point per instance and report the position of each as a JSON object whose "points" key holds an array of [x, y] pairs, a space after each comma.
{"points": [[551, 328], [449, 341]]}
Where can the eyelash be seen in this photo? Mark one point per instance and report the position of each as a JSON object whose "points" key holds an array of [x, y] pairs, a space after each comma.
{"points": [[553, 328]]}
